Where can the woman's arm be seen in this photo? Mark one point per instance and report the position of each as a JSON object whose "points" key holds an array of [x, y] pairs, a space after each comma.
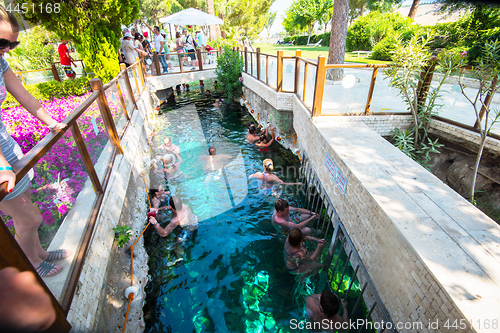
{"points": [[30, 103], [164, 232]]}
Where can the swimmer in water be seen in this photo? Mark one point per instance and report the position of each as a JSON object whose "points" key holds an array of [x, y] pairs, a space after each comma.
{"points": [[268, 179], [282, 221], [297, 260], [169, 148], [213, 165], [182, 216]]}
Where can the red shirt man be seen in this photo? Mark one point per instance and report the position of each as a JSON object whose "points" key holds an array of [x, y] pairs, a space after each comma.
{"points": [[66, 59]]}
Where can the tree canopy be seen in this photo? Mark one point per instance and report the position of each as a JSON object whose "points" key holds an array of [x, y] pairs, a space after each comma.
{"points": [[302, 15], [93, 25]]}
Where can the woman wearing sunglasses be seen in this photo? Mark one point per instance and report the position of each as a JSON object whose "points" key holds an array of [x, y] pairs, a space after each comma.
{"points": [[17, 203]]}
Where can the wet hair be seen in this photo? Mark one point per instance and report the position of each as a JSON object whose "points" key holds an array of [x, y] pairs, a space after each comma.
{"points": [[295, 237], [268, 164], [250, 124], [329, 303], [175, 202], [281, 205], [210, 149], [6, 16], [177, 34], [252, 130]]}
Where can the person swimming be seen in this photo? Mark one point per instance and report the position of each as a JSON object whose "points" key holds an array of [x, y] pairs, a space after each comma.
{"points": [[324, 307], [262, 143], [182, 216], [170, 169], [214, 165], [281, 217], [297, 260], [268, 179], [169, 148]]}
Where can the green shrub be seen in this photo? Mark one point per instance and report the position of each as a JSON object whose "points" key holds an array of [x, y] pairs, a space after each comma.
{"points": [[302, 40], [382, 51], [367, 31], [52, 89], [229, 68], [219, 42], [476, 51]]}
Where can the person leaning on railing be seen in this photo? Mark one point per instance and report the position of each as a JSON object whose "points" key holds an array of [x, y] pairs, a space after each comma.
{"points": [[17, 203]]}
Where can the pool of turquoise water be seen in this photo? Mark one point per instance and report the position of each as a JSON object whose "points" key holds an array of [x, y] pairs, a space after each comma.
{"points": [[230, 275]]}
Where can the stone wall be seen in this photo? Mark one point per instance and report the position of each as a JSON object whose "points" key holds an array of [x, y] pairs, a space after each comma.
{"points": [[91, 307], [463, 137]]}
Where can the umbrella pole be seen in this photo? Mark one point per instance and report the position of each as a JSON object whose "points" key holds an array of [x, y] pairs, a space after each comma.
{"points": [[170, 28]]}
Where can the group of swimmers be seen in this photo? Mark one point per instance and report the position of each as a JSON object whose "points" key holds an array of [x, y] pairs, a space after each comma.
{"points": [[295, 227]]}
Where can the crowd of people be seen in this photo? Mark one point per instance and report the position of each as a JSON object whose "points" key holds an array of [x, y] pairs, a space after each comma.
{"points": [[134, 44], [292, 223]]}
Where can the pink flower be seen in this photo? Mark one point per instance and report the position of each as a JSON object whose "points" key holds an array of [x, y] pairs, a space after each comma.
{"points": [[464, 54], [10, 223], [240, 79], [63, 209]]}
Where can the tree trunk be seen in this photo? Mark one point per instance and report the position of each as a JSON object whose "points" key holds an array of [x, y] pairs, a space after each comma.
{"points": [[214, 29], [338, 36], [413, 9], [310, 32], [362, 11], [476, 165]]}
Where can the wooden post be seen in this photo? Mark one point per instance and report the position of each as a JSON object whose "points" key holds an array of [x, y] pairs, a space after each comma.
{"points": [[127, 83], [279, 77], [141, 72], [11, 255], [319, 86], [55, 73], [96, 84], [246, 60], [156, 61], [87, 161], [258, 63], [251, 64], [181, 67], [487, 102], [298, 53], [370, 92], [200, 60]]}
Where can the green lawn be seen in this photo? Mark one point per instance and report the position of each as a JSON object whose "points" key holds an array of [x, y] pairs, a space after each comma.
{"points": [[312, 52]]}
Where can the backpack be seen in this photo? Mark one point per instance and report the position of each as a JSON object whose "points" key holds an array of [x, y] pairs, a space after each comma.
{"points": [[194, 42]]}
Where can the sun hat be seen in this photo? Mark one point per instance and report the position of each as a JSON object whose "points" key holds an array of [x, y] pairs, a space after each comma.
{"points": [[184, 29], [168, 157], [162, 31], [127, 34]]}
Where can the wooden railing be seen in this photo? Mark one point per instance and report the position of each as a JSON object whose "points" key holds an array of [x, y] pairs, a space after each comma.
{"points": [[10, 252], [200, 56], [53, 69]]}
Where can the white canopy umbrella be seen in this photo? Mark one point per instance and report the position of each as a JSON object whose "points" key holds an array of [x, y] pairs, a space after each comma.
{"points": [[191, 16]]}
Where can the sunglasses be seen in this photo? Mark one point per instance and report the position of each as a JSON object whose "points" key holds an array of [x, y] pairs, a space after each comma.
{"points": [[5, 43]]}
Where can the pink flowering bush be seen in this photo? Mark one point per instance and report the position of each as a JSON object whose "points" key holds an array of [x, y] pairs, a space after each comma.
{"points": [[60, 174]]}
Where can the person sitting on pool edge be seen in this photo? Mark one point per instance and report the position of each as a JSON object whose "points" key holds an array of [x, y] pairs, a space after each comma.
{"points": [[297, 261], [268, 179], [263, 144], [169, 148], [326, 306], [182, 216], [281, 217]]}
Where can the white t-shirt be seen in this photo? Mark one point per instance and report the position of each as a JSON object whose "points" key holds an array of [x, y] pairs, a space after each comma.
{"points": [[158, 40], [188, 42]]}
